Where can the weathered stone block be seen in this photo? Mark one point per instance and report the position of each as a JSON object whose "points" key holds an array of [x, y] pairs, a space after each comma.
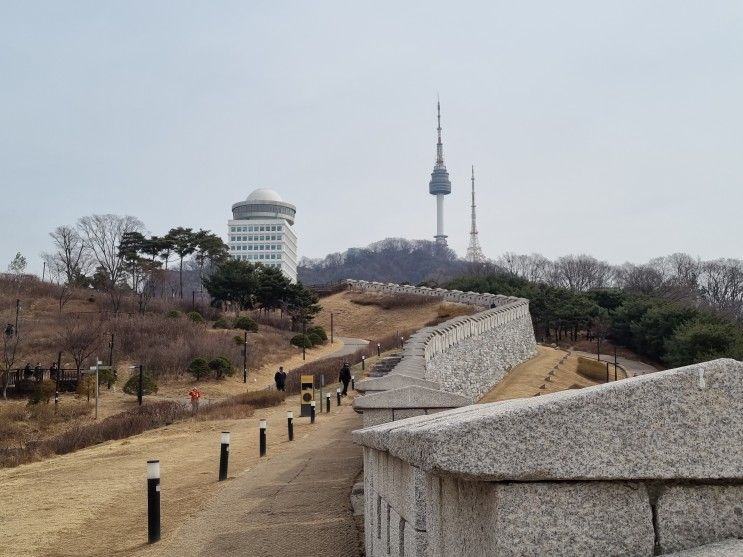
{"points": [[396, 534], [415, 542], [541, 518], [694, 515], [404, 413], [377, 416]]}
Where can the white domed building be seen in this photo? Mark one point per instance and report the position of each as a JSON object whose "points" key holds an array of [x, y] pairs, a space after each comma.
{"points": [[261, 231]]}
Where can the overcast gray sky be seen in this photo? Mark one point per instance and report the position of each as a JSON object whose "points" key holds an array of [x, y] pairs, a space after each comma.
{"points": [[610, 128]]}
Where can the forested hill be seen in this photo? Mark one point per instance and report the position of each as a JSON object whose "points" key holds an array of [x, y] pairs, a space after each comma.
{"points": [[390, 260]]}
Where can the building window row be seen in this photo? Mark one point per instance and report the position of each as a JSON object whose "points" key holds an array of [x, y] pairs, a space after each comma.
{"points": [[258, 247], [266, 238], [258, 256], [256, 228]]}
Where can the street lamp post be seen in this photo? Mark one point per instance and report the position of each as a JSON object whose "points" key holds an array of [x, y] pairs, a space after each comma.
{"points": [[332, 336], [111, 352], [304, 337], [56, 381], [245, 358], [97, 364], [615, 363], [17, 310]]}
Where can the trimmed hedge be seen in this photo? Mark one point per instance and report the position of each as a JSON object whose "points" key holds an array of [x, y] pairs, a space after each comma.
{"points": [[149, 387], [246, 324]]}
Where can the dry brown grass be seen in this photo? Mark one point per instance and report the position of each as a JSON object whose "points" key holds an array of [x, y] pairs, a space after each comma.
{"points": [[20, 423], [389, 301], [373, 321], [241, 406], [448, 310]]}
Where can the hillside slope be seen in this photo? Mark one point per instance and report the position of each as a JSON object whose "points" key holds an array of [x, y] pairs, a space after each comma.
{"points": [[365, 316]]}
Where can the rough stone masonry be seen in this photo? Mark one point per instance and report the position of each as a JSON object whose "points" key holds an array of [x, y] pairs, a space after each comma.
{"points": [[651, 465]]}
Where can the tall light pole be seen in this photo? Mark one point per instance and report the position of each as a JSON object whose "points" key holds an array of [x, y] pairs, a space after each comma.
{"points": [[245, 358], [111, 352]]}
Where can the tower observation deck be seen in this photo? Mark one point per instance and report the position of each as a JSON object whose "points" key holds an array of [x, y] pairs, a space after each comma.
{"points": [[440, 185]]}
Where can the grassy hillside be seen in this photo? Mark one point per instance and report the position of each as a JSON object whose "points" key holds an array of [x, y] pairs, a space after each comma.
{"points": [[163, 337]]}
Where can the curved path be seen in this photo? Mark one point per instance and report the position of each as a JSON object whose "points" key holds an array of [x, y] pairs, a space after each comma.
{"points": [[632, 367], [350, 346]]}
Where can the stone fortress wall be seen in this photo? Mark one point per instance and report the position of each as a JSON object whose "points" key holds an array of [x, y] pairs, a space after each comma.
{"points": [[465, 355], [651, 465]]}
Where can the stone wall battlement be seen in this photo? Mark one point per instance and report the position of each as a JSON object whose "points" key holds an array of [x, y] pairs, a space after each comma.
{"points": [[473, 298]]}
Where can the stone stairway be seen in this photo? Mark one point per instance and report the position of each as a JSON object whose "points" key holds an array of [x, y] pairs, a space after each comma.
{"points": [[385, 365]]}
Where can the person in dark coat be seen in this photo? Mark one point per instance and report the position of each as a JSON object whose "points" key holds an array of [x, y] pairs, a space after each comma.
{"points": [[280, 379], [53, 371], [345, 377]]}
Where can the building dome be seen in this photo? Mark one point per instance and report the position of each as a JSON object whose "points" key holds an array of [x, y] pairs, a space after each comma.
{"points": [[264, 204], [264, 194]]}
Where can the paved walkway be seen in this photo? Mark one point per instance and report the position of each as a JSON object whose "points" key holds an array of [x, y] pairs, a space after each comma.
{"points": [[350, 346], [633, 367], [296, 502]]}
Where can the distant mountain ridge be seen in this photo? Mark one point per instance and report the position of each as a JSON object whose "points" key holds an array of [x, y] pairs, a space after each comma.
{"points": [[390, 260]]}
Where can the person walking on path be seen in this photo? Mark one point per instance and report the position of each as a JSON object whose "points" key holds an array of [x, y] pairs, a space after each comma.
{"points": [[345, 377], [280, 379], [195, 395]]}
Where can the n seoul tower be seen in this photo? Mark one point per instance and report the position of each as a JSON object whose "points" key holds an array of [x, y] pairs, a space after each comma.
{"points": [[439, 185]]}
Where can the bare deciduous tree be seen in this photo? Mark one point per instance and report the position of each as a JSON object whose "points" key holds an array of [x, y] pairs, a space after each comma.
{"points": [[80, 338], [70, 255], [102, 235], [644, 279], [581, 272], [721, 285]]}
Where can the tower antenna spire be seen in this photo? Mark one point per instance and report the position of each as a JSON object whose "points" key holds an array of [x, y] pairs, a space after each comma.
{"points": [[474, 251], [440, 185], [439, 144]]}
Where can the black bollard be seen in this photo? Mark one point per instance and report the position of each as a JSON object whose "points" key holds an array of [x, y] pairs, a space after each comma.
{"points": [[353, 382], [262, 438], [363, 363], [290, 424], [327, 402], [153, 501], [224, 455], [338, 396], [379, 352], [312, 412]]}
